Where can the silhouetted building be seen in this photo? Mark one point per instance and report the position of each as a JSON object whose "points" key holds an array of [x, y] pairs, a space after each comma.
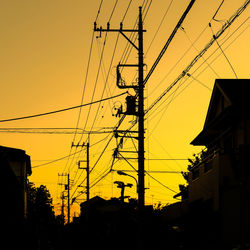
{"points": [[98, 206], [15, 168], [109, 223], [216, 202], [219, 179]]}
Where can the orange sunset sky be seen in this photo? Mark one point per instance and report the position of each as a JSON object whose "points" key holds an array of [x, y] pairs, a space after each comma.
{"points": [[45, 48]]}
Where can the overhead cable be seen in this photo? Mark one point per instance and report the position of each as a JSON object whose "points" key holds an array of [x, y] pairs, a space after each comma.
{"points": [[178, 25], [166, 12], [57, 131], [231, 66], [207, 59], [192, 44], [99, 9], [216, 12], [61, 110], [193, 62], [64, 157]]}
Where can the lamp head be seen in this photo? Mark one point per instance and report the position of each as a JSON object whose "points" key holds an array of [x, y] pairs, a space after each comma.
{"points": [[121, 172]]}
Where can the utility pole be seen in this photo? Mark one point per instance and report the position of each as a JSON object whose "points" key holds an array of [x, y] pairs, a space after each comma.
{"points": [[141, 185], [62, 212], [68, 200], [67, 188], [139, 88], [87, 170]]}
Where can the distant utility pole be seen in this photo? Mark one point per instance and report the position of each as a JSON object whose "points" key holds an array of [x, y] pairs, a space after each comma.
{"points": [[139, 88], [67, 188], [62, 212], [87, 170]]}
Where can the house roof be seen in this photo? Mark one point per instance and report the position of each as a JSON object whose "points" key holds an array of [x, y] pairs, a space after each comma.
{"points": [[230, 99], [95, 201], [14, 154]]}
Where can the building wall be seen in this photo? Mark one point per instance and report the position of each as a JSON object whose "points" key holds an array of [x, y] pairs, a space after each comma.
{"points": [[176, 211], [20, 170], [206, 185], [16, 167], [235, 186], [227, 183], [13, 206]]}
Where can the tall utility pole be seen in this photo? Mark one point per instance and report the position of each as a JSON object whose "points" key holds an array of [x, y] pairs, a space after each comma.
{"points": [[141, 188], [140, 94]]}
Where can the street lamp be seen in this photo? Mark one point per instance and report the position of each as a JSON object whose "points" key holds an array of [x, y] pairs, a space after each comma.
{"points": [[122, 186], [123, 173]]}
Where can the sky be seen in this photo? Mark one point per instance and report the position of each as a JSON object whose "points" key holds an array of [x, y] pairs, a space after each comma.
{"points": [[49, 61]]}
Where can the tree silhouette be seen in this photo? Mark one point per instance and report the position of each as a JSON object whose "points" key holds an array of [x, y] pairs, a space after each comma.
{"points": [[39, 204], [41, 223]]}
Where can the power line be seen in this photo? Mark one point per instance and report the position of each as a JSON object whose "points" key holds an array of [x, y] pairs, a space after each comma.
{"points": [[153, 171], [100, 156], [176, 172], [201, 72], [103, 175], [132, 37], [52, 131], [106, 81], [97, 77], [193, 62], [192, 44], [61, 110], [168, 41], [65, 157], [167, 159], [113, 10], [208, 58], [99, 65], [197, 80], [140, 23], [86, 76], [161, 22], [216, 12], [166, 12], [160, 182], [96, 80], [180, 59], [126, 10], [109, 70], [99, 9], [84, 87], [170, 189], [231, 66], [59, 159], [144, 15]]}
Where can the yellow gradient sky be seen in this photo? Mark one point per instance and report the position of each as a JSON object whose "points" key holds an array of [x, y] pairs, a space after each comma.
{"points": [[44, 56]]}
